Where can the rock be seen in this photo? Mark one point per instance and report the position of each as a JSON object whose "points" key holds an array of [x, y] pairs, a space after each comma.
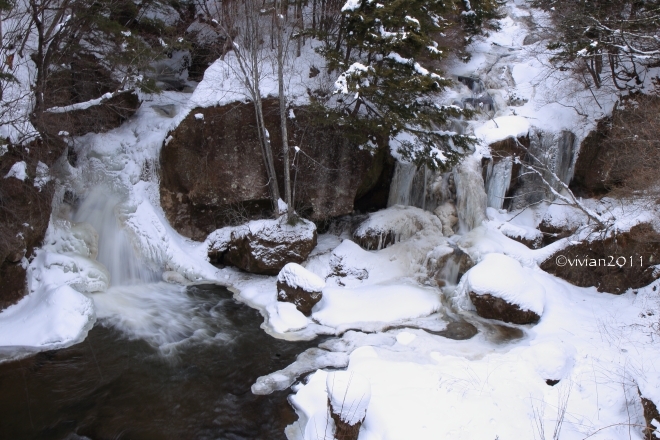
{"points": [[448, 264], [500, 288], [652, 418], [212, 172], [492, 307], [594, 263], [394, 224], [24, 215], [448, 218], [266, 246], [348, 398], [297, 285]]}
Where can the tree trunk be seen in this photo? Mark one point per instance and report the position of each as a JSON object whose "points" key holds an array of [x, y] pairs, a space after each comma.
{"points": [[281, 53]]}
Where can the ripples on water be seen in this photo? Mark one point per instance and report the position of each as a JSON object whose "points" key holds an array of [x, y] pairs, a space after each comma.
{"points": [[162, 362]]}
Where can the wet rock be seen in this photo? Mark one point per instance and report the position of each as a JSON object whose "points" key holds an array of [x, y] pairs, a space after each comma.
{"points": [[297, 285], [266, 246], [212, 171], [448, 264], [492, 307], [594, 263]]}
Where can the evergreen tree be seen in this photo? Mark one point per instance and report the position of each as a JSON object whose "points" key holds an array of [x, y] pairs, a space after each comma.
{"points": [[383, 91]]}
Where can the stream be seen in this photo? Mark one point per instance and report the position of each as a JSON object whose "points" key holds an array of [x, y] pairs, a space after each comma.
{"points": [[137, 378]]}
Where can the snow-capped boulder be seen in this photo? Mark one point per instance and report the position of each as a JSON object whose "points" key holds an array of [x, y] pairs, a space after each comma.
{"points": [[394, 224], [348, 396], [613, 264], [266, 246], [500, 288], [297, 285]]}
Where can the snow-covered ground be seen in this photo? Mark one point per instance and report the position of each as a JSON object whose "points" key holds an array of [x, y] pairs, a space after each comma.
{"points": [[382, 306]]}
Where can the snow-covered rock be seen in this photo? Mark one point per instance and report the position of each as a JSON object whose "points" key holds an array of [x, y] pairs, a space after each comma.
{"points": [[348, 395], [500, 288], [297, 285], [395, 224], [266, 246]]}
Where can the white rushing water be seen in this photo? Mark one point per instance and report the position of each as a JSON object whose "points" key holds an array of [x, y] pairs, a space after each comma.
{"points": [[102, 210]]}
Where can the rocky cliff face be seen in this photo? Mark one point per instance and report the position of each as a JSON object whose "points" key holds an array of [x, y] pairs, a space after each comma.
{"points": [[212, 172], [25, 205]]}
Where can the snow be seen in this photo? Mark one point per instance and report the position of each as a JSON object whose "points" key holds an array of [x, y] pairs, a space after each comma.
{"points": [[354, 307], [307, 361], [351, 5], [402, 222], [502, 128], [296, 276], [349, 395], [18, 171], [503, 277], [423, 386]]}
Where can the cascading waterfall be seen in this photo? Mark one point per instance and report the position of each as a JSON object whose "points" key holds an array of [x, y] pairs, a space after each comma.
{"points": [[101, 209], [402, 183], [470, 194]]}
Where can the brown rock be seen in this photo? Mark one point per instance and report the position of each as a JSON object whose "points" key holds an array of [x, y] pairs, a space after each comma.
{"points": [[650, 413], [266, 246], [303, 300], [642, 243], [491, 307], [24, 215], [212, 172]]}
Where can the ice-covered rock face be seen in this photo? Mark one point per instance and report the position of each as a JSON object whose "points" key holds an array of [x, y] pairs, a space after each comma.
{"points": [[297, 285], [500, 288]]}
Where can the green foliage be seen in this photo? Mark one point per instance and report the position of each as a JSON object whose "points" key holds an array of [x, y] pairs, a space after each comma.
{"points": [[479, 15], [383, 91]]}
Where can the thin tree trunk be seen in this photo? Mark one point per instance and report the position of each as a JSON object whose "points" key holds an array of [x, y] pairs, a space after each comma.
{"points": [[283, 116]]}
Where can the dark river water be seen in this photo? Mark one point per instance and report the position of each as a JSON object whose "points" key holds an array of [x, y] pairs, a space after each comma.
{"points": [[115, 385]]}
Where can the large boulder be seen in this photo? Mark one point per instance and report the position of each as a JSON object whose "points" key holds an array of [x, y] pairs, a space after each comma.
{"points": [[613, 264], [500, 288], [297, 285], [212, 171], [263, 246]]}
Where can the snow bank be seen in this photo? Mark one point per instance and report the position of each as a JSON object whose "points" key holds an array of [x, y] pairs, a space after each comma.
{"points": [[379, 303], [503, 277], [296, 276], [501, 128], [46, 319]]}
